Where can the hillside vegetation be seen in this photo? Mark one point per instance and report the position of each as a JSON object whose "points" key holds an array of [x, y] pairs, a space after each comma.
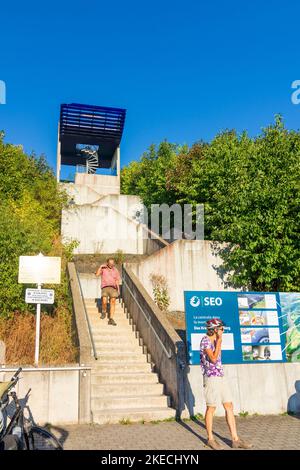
{"points": [[30, 208]]}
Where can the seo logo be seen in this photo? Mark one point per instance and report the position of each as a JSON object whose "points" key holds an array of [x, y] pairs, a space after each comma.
{"points": [[195, 301]]}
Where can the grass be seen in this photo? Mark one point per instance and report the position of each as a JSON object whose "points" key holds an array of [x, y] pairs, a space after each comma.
{"points": [[166, 420], [198, 417], [243, 414], [56, 342], [125, 421]]}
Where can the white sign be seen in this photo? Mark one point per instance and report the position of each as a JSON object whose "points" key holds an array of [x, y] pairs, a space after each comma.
{"points": [[227, 341], [39, 296], [39, 269]]}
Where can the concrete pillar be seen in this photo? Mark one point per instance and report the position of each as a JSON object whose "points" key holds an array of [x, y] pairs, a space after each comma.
{"points": [[2, 352], [84, 410], [58, 156], [116, 163]]}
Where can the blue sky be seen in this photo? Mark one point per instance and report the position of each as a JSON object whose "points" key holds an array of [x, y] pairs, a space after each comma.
{"points": [[183, 70]]}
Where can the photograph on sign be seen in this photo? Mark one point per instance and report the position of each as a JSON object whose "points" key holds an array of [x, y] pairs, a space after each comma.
{"points": [[260, 335], [258, 317], [262, 353]]}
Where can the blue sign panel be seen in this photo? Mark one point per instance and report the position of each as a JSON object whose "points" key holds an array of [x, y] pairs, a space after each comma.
{"points": [[254, 330]]}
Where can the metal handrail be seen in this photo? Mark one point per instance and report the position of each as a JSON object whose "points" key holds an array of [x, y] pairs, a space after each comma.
{"points": [[87, 317], [148, 318]]}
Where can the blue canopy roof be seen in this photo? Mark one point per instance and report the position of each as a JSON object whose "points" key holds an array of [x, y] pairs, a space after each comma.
{"points": [[82, 124]]}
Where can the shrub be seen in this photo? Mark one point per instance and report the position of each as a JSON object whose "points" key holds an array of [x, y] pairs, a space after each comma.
{"points": [[160, 291]]}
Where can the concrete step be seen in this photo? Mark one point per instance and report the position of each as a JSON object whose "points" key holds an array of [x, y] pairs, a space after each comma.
{"points": [[94, 314], [106, 348], [113, 332], [119, 403], [119, 368], [127, 338], [112, 329], [117, 345], [99, 378], [120, 358], [119, 320], [132, 415], [94, 308], [97, 316], [98, 307], [127, 389]]}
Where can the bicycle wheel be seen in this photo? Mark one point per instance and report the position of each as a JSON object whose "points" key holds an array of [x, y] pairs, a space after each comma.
{"points": [[41, 439]]}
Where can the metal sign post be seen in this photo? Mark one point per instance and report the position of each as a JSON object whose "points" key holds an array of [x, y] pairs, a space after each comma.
{"points": [[39, 270], [37, 331]]}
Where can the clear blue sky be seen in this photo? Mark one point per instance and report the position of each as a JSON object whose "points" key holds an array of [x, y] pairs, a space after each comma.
{"points": [[184, 70]]}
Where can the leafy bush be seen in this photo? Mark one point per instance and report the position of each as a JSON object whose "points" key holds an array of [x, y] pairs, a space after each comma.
{"points": [[251, 195], [30, 207]]}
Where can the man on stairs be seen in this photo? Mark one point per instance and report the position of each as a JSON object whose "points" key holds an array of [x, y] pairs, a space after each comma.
{"points": [[110, 280]]}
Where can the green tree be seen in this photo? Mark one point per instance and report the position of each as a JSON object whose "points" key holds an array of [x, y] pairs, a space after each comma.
{"points": [[148, 177], [250, 188]]}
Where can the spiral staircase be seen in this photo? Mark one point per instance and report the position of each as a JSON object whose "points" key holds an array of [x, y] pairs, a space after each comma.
{"points": [[92, 158]]}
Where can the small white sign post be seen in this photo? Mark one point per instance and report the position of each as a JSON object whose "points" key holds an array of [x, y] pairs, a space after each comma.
{"points": [[39, 270]]}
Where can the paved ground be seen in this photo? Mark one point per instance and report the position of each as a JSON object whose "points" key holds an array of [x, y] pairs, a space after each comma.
{"points": [[265, 432]]}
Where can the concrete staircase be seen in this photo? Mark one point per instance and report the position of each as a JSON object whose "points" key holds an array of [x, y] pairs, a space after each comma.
{"points": [[123, 385]]}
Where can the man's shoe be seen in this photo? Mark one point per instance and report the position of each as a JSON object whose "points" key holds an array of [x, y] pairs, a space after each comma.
{"points": [[103, 315], [213, 444], [241, 444], [111, 321]]}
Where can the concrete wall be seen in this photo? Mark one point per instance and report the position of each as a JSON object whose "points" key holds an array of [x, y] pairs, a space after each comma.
{"points": [[54, 396], [101, 230], [256, 388], [186, 264], [105, 223], [103, 184], [90, 285]]}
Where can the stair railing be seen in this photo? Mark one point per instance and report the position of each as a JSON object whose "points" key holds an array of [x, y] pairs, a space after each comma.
{"points": [[87, 317], [166, 348], [148, 319]]}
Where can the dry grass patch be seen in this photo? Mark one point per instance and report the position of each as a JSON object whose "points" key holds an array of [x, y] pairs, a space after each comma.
{"points": [[56, 343]]}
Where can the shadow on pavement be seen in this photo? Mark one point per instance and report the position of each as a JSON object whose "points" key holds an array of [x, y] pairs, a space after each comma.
{"points": [[201, 425], [60, 433], [222, 438], [189, 429]]}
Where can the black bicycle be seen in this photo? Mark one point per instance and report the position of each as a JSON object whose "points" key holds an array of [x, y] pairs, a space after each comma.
{"points": [[21, 433]]}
